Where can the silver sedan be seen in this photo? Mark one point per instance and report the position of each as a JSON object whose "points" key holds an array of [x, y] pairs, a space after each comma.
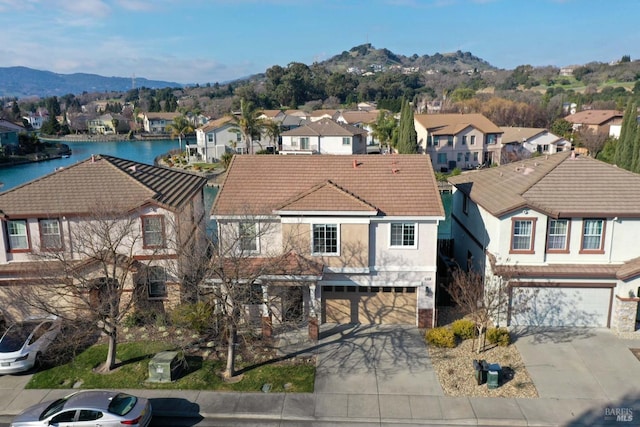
{"points": [[88, 408]]}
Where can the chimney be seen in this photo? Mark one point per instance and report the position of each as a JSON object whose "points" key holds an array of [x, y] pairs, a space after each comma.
{"points": [[355, 163]]}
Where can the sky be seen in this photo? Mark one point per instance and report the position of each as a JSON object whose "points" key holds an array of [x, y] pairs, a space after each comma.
{"points": [[208, 41]]}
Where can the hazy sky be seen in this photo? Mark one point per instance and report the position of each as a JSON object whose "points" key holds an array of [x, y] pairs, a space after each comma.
{"points": [[200, 41]]}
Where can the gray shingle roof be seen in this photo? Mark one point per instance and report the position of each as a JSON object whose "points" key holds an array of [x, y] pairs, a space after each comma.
{"points": [[101, 180]]}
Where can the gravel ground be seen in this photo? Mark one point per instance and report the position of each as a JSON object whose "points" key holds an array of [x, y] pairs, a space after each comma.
{"points": [[454, 367]]}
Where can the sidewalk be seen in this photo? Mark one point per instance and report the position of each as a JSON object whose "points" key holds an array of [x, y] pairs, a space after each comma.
{"points": [[333, 408]]}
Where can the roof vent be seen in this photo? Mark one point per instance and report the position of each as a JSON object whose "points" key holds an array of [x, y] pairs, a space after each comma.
{"points": [[132, 168], [355, 163], [395, 171]]}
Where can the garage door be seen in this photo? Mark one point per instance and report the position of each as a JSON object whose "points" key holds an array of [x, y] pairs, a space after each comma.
{"points": [[369, 305], [560, 306]]}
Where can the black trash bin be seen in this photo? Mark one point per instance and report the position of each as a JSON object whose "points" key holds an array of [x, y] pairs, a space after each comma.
{"points": [[480, 370]]}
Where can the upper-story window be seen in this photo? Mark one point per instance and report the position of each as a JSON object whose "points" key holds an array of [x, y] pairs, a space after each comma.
{"points": [[50, 234], [436, 141], [248, 236], [492, 138], [209, 137], [325, 239], [429, 140], [304, 143], [592, 236], [473, 140], [153, 231], [558, 235], [346, 140], [450, 140], [464, 139], [403, 234], [18, 235], [522, 235]]}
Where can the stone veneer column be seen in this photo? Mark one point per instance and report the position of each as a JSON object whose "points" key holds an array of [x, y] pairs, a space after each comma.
{"points": [[624, 314], [314, 325], [267, 323]]}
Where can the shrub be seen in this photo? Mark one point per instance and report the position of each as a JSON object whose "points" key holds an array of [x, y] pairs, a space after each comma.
{"points": [[464, 329], [196, 316], [134, 319], [498, 336], [441, 337]]}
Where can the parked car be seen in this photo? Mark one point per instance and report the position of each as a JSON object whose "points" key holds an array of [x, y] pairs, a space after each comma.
{"points": [[88, 408], [23, 343]]}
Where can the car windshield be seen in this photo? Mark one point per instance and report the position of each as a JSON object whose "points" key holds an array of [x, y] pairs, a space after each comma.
{"points": [[55, 407], [16, 336], [122, 403]]}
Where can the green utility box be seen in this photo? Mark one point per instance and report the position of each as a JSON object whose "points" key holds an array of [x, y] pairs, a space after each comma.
{"points": [[493, 375], [165, 367]]}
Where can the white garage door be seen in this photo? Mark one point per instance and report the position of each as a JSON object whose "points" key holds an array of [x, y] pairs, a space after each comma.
{"points": [[560, 306]]}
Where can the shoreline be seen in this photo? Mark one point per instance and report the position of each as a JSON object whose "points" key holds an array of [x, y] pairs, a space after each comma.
{"points": [[104, 138]]}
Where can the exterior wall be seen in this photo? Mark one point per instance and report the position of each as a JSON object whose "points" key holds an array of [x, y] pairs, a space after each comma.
{"points": [[325, 144], [211, 145], [8, 137]]}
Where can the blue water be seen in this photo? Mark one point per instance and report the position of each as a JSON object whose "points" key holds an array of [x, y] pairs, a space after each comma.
{"points": [[140, 151]]}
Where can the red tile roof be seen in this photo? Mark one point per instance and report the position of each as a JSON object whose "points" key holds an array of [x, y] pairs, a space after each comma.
{"points": [[397, 185]]}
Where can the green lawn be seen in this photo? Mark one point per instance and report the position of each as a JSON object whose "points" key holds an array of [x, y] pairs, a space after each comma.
{"points": [[200, 375]]}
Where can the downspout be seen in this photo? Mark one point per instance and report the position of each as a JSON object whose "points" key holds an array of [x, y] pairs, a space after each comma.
{"points": [[613, 223]]}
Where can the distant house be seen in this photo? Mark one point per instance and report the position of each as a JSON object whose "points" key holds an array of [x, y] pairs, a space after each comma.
{"points": [[324, 137], [44, 216], [531, 140], [317, 115], [561, 231], [216, 138], [462, 141], [157, 122], [35, 120], [361, 119], [107, 124], [598, 121]]}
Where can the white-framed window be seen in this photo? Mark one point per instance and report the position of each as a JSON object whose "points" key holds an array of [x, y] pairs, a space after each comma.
{"points": [[209, 137], [475, 156], [294, 142], [403, 234], [50, 234], [325, 239], [464, 139], [248, 232], [304, 143], [156, 279], [522, 234], [18, 235], [153, 231], [473, 140], [346, 140], [450, 140], [436, 141], [592, 235], [459, 157], [557, 234]]}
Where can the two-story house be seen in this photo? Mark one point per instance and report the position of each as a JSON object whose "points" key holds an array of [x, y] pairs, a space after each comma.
{"points": [[361, 119], [324, 137], [106, 124], [215, 138], [562, 231], [48, 223], [520, 142], [157, 122], [369, 222], [463, 141], [597, 121]]}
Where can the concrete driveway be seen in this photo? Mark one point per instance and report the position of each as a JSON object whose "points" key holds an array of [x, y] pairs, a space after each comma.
{"points": [[580, 363], [374, 359]]}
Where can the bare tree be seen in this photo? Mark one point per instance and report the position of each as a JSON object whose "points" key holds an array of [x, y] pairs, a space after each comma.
{"points": [[591, 140]]}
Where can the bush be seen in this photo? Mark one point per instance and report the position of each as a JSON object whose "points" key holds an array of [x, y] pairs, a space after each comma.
{"points": [[464, 329], [498, 336], [196, 316], [441, 337], [134, 319]]}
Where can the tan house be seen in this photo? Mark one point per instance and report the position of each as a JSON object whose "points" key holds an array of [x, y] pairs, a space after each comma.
{"points": [[598, 121], [157, 122], [369, 222], [463, 141], [46, 221]]}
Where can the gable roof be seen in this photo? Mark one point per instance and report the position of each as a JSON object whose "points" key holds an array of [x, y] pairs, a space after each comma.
{"points": [[519, 134], [360, 116], [97, 181], [559, 185], [450, 124], [215, 124], [264, 184], [593, 117], [162, 116], [325, 127]]}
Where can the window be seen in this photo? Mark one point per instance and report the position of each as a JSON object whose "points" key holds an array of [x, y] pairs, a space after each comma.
{"points": [[153, 231], [436, 141], [465, 204], [592, 235], [467, 156], [248, 236], [325, 239], [442, 158], [156, 279], [429, 141], [18, 236], [346, 140], [304, 143], [492, 138], [557, 236], [50, 236], [209, 137], [522, 234], [475, 156], [403, 234], [450, 140], [459, 157], [89, 415], [473, 140], [294, 142], [464, 139], [238, 137]]}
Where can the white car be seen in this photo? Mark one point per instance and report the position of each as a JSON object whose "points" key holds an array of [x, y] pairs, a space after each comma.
{"points": [[23, 343], [88, 408]]}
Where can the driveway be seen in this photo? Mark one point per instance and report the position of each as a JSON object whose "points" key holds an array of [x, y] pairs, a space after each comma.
{"points": [[580, 363], [374, 359]]}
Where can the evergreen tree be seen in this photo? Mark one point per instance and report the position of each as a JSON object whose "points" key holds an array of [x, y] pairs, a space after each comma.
{"points": [[624, 148], [407, 137], [635, 157]]}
